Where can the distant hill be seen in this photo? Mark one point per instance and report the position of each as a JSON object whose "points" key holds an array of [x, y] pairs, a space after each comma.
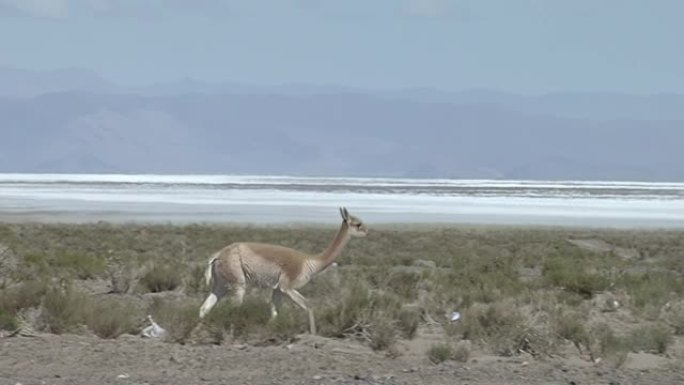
{"points": [[74, 121], [25, 83]]}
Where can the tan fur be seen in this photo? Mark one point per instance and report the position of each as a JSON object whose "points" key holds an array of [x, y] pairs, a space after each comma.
{"points": [[280, 268]]}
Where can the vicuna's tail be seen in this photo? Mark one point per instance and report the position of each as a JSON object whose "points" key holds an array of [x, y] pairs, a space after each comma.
{"points": [[210, 267]]}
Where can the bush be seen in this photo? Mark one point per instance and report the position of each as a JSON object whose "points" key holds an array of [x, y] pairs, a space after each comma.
{"points": [[121, 278], [674, 316], [376, 317], [112, 318], [83, 266], [161, 278], [8, 321], [408, 320], [570, 274], [439, 353], [651, 288], [653, 339], [252, 318], [25, 295], [381, 332], [290, 321], [195, 280], [501, 327], [179, 318], [604, 343], [338, 318], [461, 352], [570, 326], [403, 281], [63, 309]]}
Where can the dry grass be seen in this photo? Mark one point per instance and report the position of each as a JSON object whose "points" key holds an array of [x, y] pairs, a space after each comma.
{"points": [[517, 289]]}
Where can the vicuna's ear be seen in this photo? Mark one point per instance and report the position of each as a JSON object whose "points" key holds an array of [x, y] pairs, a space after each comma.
{"points": [[344, 213]]}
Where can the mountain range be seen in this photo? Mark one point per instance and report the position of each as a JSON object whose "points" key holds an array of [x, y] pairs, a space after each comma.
{"points": [[75, 121]]}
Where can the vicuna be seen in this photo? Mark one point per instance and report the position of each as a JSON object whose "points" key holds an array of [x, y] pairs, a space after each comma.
{"points": [[277, 267]]}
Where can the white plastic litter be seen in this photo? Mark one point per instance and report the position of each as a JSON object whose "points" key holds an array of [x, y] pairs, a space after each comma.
{"points": [[455, 316], [154, 330]]}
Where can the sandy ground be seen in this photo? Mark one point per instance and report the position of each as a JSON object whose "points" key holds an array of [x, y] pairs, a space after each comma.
{"points": [[76, 359]]}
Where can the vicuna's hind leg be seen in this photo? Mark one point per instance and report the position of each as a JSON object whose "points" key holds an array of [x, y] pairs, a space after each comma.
{"points": [[227, 275], [217, 292], [239, 294]]}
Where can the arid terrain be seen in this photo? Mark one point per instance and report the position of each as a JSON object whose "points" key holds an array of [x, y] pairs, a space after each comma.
{"points": [[72, 359], [536, 306]]}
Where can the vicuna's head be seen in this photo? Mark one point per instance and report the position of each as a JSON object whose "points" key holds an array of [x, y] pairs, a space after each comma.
{"points": [[355, 224]]}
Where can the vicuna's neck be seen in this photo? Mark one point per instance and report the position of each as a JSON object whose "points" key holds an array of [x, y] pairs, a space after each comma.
{"points": [[335, 248]]}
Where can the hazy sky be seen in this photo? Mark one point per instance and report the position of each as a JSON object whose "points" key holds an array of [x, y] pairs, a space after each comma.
{"points": [[525, 46]]}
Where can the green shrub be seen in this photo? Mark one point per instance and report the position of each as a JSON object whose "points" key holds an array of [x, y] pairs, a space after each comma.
{"points": [[161, 278], [403, 282], [501, 327], [251, 316], [651, 288], [63, 309], [290, 322], [339, 317], [461, 352], [439, 353], [381, 331], [652, 338], [111, 318], [83, 266], [570, 274], [24, 295], [179, 318], [570, 326], [249, 319], [8, 321], [407, 321], [195, 281]]}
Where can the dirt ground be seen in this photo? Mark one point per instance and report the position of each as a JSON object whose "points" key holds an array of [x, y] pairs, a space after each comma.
{"points": [[77, 359]]}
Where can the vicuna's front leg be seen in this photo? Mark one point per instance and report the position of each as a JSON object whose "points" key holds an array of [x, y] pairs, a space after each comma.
{"points": [[299, 299]]}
